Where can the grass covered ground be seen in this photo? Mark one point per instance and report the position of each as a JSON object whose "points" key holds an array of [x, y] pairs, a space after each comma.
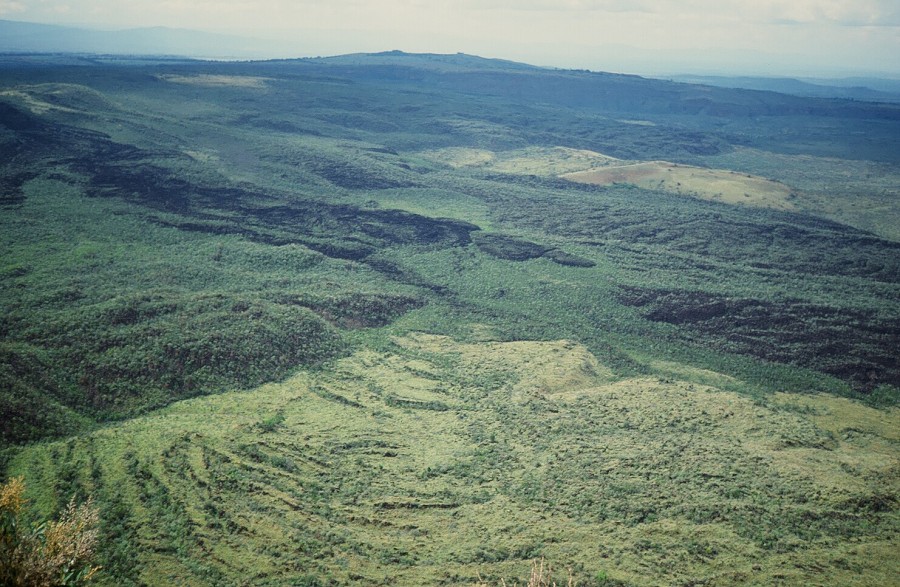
{"points": [[435, 462]]}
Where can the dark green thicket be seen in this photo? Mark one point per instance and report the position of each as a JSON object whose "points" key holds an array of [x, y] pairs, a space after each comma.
{"points": [[508, 248], [859, 346], [129, 354], [35, 396], [146, 351]]}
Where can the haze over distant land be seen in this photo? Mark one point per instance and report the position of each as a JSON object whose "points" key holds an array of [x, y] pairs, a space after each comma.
{"points": [[798, 38]]}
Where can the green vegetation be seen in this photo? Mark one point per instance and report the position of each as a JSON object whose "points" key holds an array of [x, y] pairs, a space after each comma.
{"points": [[438, 461], [49, 554], [343, 321]]}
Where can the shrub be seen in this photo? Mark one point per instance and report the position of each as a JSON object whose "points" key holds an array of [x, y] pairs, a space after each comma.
{"points": [[541, 576], [48, 554]]}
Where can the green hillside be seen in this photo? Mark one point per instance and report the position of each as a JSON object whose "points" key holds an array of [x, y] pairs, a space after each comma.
{"points": [[345, 321], [433, 461]]}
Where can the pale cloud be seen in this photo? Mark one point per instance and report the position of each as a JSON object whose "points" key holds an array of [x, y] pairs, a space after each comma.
{"points": [[7, 8], [837, 12], [840, 12], [843, 12], [558, 5]]}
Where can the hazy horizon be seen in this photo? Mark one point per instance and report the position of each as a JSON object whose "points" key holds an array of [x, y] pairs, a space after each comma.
{"points": [[650, 37]]}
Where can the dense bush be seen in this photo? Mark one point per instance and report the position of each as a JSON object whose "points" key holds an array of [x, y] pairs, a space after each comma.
{"points": [[54, 553]]}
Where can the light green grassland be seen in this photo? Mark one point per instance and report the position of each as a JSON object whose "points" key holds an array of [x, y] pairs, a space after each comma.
{"points": [[438, 462], [869, 197]]}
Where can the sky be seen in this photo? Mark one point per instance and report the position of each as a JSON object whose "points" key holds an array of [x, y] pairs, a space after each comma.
{"points": [[758, 37]]}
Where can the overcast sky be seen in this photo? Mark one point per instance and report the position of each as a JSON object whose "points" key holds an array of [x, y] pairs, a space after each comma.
{"points": [[782, 37]]}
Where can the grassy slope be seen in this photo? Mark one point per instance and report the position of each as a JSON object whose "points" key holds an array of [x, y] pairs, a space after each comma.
{"points": [[235, 222], [433, 462]]}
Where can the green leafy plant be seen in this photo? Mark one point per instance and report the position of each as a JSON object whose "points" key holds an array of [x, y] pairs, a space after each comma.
{"points": [[51, 553], [541, 576]]}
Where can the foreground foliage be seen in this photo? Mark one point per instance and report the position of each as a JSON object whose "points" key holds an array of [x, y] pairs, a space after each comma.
{"points": [[540, 577], [50, 554]]}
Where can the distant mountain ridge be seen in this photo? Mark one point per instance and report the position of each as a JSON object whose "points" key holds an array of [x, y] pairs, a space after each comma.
{"points": [[868, 89], [623, 93], [435, 61], [26, 37], [472, 73], [29, 37]]}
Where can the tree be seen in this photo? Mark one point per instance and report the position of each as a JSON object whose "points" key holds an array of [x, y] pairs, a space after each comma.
{"points": [[52, 553]]}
